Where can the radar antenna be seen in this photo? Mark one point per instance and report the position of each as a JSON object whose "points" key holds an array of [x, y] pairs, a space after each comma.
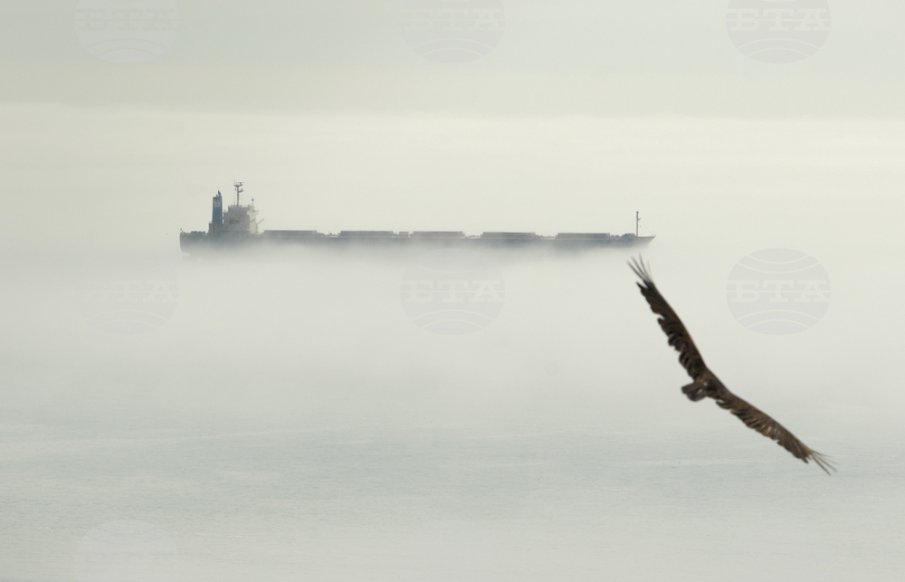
{"points": [[239, 190]]}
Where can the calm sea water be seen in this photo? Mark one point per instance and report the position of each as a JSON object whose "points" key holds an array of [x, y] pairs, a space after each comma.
{"points": [[145, 504]]}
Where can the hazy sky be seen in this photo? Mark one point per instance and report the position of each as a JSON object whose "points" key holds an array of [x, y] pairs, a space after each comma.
{"points": [[521, 57]]}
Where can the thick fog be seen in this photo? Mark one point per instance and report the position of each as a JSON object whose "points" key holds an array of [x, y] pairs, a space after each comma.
{"points": [[463, 414], [299, 413]]}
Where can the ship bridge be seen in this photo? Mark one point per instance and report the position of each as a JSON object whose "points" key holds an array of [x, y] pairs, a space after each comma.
{"points": [[238, 219]]}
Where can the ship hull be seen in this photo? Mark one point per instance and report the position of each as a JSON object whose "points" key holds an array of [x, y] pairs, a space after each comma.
{"points": [[194, 242]]}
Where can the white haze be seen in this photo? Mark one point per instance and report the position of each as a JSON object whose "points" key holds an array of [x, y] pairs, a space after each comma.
{"points": [[285, 419]]}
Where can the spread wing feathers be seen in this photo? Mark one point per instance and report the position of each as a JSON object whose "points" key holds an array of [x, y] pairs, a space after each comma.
{"points": [[707, 384], [672, 326], [758, 420]]}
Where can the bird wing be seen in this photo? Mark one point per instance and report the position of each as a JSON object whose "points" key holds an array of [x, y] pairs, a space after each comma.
{"points": [[711, 386], [672, 326], [758, 420]]}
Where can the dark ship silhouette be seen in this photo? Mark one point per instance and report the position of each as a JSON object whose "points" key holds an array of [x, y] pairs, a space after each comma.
{"points": [[238, 227]]}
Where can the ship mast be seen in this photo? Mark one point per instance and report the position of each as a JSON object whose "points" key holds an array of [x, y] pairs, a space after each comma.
{"points": [[238, 187]]}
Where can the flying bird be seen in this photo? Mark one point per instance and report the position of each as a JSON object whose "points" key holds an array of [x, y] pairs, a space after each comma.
{"points": [[706, 384]]}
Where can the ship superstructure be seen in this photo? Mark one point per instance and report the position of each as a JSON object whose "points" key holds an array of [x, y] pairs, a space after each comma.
{"points": [[238, 226], [239, 219]]}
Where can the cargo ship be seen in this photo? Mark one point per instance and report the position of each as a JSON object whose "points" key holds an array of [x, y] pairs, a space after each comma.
{"points": [[238, 227]]}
